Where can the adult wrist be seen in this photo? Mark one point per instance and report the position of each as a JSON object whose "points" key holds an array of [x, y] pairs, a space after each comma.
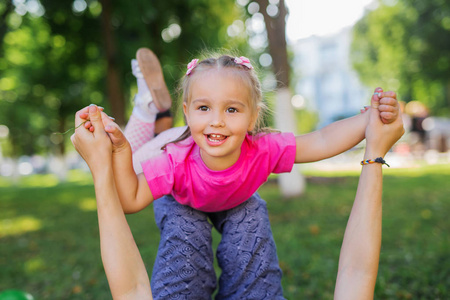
{"points": [[373, 155]]}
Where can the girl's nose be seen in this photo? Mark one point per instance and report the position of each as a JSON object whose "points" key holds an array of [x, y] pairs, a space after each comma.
{"points": [[217, 121]]}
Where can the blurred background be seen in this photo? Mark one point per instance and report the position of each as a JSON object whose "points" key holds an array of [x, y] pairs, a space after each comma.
{"points": [[319, 61]]}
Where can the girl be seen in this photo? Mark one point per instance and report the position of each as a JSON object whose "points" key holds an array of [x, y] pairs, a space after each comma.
{"points": [[231, 157], [358, 261]]}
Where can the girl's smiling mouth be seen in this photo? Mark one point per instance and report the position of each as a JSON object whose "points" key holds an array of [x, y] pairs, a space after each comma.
{"points": [[215, 139]]}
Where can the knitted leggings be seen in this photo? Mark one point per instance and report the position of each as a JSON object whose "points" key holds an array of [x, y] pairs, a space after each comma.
{"points": [[184, 268]]}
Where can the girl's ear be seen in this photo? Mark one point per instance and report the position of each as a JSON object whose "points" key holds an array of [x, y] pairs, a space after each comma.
{"points": [[186, 114], [254, 119]]}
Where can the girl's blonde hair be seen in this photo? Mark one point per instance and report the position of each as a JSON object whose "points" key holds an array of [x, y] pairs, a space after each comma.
{"points": [[248, 77]]}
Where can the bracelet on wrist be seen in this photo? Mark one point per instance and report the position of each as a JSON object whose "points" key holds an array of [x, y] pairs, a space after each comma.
{"points": [[379, 160]]}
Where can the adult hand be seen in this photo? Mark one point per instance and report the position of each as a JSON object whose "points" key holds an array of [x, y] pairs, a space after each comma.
{"points": [[386, 103], [94, 147], [380, 137], [118, 139]]}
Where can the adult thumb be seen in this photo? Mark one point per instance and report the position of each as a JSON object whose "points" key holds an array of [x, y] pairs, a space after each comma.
{"points": [[95, 116], [374, 112], [375, 100]]}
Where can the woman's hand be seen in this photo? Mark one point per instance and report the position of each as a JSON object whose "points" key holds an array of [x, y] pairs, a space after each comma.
{"points": [[94, 147], [118, 139], [387, 105], [380, 137]]}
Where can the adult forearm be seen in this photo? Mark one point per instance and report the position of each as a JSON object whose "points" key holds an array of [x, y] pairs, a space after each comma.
{"points": [[358, 262], [123, 264]]}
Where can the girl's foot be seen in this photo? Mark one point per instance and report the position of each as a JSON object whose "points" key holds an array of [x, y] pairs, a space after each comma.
{"points": [[150, 68]]}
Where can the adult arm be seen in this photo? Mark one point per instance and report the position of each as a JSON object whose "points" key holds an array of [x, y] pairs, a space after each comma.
{"points": [[133, 190], [124, 268], [342, 135], [359, 257]]}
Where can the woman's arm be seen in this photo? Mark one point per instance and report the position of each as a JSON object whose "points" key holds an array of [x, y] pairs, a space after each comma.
{"points": [[358, 261], [125, 270], [133, 190], [342, 135]]}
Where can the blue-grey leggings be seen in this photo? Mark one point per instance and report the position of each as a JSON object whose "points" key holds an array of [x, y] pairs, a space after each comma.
{"points": [[246, 254]]}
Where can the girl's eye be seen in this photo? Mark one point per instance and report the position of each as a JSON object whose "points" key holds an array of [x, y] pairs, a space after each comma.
{"points": [[203, 108], [232, 110]]}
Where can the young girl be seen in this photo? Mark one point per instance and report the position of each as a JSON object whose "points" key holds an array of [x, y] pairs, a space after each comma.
{"points": [[358, 261], [226, 158]]}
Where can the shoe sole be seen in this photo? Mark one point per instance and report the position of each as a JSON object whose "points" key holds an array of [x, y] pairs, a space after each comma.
{"points": [[152, 71]]}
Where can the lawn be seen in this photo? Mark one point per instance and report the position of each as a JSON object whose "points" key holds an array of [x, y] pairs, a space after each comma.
{"points": [[49, 235]]}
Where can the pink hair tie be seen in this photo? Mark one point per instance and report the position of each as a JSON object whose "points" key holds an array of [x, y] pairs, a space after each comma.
{"points": [[191, 66], [243, 61]]}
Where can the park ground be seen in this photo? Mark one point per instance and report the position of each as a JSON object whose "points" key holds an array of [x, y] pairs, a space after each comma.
{"points": [[49, 243]]}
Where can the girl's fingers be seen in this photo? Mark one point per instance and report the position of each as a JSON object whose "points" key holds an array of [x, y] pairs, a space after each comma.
{"points": [[78, 118], [87, 125], [387, 108], [389, 101], [107, 119]]}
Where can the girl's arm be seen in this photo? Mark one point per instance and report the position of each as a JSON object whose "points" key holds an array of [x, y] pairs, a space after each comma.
{"points": [[358, 261], [125, 270], [342, 135], [133, 190]]}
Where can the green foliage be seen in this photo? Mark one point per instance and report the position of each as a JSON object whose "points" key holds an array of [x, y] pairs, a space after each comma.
{"points": [[50, 246], [54, 63], [404, 45]]}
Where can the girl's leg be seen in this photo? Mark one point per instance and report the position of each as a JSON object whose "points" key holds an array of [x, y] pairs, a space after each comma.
{"points": [[247, 253], [183, 268], [153, 147], [151, 98]]}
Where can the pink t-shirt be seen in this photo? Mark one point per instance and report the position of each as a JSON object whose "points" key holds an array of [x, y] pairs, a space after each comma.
{"points": [[181, 172]]}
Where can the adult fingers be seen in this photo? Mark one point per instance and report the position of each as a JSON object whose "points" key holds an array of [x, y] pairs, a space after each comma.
{"points": [[387, 117], [387, 108], [389, 101], [95, 117]]}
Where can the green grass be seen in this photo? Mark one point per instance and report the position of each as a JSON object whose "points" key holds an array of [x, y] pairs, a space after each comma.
{"points": [[49, 236]]}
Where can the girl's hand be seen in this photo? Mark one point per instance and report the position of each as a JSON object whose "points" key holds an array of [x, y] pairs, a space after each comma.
{"points": [[95, 148], [380, 137]]}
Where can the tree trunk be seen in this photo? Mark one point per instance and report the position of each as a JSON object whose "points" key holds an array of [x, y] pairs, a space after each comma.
{"points": [[113, 82], [291, 184]]}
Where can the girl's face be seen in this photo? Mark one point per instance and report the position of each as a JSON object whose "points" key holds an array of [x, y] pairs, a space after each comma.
{"points": [[219, 116]]}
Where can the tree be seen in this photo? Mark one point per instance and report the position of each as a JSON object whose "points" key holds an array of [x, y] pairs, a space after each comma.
{"points": [[405, 45], [57, 58], [291, 184]]}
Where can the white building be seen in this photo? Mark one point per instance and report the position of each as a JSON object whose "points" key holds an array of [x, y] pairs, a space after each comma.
{"points": [[325, 77]]}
